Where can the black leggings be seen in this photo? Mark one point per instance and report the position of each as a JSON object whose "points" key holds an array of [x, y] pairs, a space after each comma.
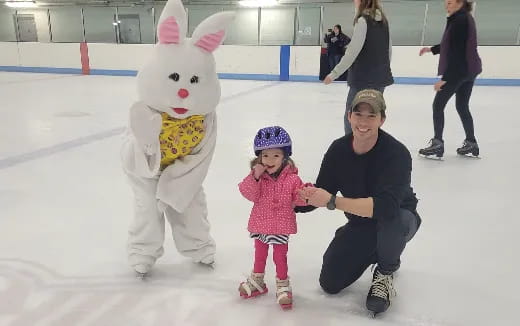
{"points": [[462, 91]]}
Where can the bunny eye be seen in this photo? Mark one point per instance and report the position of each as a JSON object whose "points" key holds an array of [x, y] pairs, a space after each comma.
{"points": [[194, 79], [175, 76]]}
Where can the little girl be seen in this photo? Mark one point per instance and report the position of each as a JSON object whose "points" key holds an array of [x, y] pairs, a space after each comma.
{"points": [[272, 186]]}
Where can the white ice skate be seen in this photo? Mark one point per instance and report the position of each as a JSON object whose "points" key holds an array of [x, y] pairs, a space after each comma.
{"points": [[253, 286], [142, 270], [284, 293]]}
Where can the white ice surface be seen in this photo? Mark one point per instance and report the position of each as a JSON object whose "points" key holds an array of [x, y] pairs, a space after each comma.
{"points": [[65, 207]]}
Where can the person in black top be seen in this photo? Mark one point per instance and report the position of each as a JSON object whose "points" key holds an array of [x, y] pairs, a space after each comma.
{"points": [[336, 42], [372, 171], [459, 65]]}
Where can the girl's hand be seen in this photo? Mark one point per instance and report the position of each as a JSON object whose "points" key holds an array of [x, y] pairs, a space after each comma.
{"points": [[306, 192], [258, 169], [319, 197]]}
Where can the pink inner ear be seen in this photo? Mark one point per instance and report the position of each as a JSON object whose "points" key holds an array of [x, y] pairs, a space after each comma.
{"points": [[169, 31], [210, 42]]}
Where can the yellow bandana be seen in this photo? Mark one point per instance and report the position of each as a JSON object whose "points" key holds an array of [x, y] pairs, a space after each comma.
{"points": [[179, 136]]}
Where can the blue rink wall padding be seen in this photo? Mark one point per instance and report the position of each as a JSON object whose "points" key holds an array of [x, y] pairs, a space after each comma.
{"points": [[43, 70], [283, 74], [263, 77]]}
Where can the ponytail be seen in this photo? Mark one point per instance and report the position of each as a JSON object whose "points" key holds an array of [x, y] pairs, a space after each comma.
{"points": [[468, 5]]}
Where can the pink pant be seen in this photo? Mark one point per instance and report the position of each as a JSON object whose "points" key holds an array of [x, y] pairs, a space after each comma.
{"points": [[279, 258]]}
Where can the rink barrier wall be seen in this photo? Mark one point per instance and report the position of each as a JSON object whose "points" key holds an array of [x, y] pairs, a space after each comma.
{"points": [[267, 63]]}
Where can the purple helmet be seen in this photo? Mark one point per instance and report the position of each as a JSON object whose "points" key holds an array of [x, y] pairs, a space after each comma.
{"points": [[273, 137]]}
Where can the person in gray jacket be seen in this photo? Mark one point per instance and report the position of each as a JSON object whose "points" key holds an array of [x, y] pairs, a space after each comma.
{"points": [[368, 54]]}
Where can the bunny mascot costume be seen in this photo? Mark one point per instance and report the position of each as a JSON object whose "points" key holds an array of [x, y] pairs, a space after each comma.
{"points": [[171, 139]]}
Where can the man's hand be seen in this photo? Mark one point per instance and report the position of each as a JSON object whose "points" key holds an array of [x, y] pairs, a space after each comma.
{"points": [[315, 196]]}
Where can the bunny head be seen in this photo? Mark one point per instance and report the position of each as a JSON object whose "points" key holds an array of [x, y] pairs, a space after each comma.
{"points": [[180, 78]]}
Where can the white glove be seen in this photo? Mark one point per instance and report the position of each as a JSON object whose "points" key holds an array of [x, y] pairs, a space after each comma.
{"points": [[145, 125]]}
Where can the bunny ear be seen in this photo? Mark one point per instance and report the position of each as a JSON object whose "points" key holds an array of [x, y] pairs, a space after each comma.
{"points": [[212, 31], [172, 24]]}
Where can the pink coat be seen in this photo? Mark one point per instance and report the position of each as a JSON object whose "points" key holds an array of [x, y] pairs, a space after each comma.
{"points": [[274, 201]]}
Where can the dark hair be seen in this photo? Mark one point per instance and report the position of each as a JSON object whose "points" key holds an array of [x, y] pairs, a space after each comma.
{"points": [[468, 5], [354, 109], [339, 27], [370, 7]]}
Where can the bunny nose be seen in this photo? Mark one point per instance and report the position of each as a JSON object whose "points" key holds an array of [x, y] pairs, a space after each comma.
{"points": [[183, 93]]}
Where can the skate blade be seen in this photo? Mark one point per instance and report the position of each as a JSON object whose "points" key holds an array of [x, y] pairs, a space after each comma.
{"points": [[432, 157], [253, 294], [210, 265], [471, 156], [372, 314], [287, 306], [141, 276]]}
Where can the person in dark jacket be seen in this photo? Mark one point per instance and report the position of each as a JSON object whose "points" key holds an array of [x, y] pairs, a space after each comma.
{"points": [[336, 43], [459, 65], [368, 55], [372, 171]]}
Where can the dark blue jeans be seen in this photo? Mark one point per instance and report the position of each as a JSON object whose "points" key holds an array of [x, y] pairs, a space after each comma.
{"points": [[357, 246], [334, 59]]}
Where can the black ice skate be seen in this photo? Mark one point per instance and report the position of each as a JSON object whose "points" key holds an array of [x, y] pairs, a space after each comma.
{"points": [[434, 151], [469, 148], [378, 298]]}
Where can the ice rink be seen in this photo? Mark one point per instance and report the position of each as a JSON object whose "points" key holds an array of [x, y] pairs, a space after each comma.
{"points": [[65, 207]]}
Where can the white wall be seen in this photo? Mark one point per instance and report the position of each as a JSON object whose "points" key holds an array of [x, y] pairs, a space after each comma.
{"points": [[9, 54], [498, 61], [118, 56], [229, 58], [406, 62], [56, 55], [304, 60], [248, 59]]}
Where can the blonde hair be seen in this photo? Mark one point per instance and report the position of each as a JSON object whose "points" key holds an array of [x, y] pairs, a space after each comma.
{"points": [[370, 8]]}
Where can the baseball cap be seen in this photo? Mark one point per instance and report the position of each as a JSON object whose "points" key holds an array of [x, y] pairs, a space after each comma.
{"points": [[372, 97]]}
